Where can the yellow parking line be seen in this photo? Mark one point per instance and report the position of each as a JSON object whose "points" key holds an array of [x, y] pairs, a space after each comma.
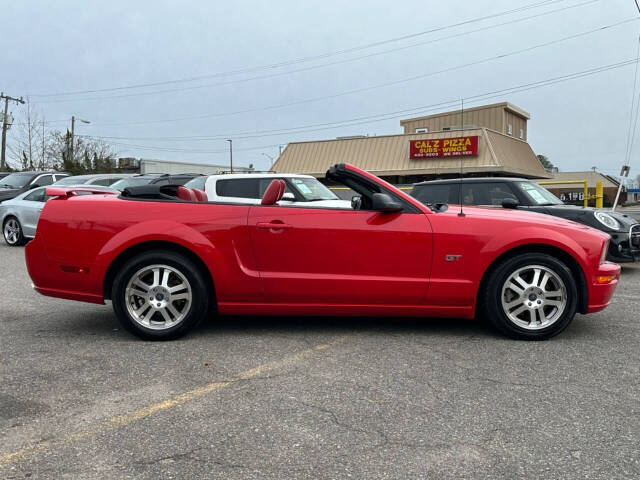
{"points": [[127, 418]]}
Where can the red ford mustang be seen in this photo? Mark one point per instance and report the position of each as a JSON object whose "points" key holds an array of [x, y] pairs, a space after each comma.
{"points": [[167, 258]]}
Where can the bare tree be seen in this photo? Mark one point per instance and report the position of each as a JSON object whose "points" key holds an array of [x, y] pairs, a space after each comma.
{"points": [[29, 146]]}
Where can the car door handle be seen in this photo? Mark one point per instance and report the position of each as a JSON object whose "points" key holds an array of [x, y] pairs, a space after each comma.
{"points": [[273, 225]]}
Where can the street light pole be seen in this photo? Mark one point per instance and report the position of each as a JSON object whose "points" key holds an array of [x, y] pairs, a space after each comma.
{"points": [[230, 154], [270, 158]]}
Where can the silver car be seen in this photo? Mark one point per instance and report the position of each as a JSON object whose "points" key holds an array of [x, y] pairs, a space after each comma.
{"points": [[106, 179], [19, 216]]}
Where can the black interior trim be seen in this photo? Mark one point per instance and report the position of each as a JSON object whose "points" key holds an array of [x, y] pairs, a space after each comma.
{"points": [[365, 187]]}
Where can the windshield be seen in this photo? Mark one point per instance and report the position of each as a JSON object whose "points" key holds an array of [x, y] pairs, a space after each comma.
{"points": [[197, 182], [73, 180], [16, 180], [312, 190], [539, 195], [131, 182]]}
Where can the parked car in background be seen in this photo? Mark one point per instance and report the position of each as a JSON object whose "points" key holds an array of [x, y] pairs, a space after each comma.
{"points": [[522, 194], [16, 183], [19, 216], [250, 187], [136, 179], [166, 262], [4, 174], [104, 179], [197, 182], [177, 179], [155, 179]]}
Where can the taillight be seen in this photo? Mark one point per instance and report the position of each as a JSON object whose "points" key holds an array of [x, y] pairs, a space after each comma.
{"points": [[605, 249]]}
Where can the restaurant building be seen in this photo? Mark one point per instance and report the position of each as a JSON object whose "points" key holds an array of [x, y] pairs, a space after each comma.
{"points": [[484, 141]]}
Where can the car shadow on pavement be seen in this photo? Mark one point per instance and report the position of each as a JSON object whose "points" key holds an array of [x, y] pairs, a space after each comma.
{"points": [[446, 327], [104, 324]]}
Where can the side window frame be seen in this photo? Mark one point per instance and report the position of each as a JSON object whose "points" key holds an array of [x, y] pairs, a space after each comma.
{"points": [[39, 177]]}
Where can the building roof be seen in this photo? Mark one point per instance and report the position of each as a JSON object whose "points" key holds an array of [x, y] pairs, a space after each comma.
{"points": [[589, 175], [389, 155], [507, 106]]}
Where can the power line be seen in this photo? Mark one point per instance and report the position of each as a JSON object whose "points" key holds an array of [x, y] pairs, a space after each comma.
{"points": [[635, 104], [313, 57], [380, 85], [399, 113], [305, 69]]}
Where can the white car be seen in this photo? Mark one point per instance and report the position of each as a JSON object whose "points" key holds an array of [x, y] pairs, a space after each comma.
{"points": [[250, 187]]}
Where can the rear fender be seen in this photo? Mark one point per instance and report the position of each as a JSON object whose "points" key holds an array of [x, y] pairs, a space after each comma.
{"points": [[162, 231]]}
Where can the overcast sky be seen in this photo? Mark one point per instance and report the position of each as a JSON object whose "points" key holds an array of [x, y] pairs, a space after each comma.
{"points": [[51, 48]]}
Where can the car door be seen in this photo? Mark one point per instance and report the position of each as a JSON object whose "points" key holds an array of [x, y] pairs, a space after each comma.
{"points": [[341, 256], [29, 209]]}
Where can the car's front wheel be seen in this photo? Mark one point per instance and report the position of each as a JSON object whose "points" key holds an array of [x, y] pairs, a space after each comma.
{"points": [[160, 295], [531, 296], [12, 231]]}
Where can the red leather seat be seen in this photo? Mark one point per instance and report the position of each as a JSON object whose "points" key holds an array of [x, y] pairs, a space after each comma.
{"points": [[185, 193], [201, 196], [274, 192]]}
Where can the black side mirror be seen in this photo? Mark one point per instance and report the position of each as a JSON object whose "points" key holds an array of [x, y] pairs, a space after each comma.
{"points": [[382, 202], [356, 202], [509, 203], [33, 185]]}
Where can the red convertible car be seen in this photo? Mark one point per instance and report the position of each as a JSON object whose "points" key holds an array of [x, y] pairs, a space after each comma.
{"points": [[167, 258]]}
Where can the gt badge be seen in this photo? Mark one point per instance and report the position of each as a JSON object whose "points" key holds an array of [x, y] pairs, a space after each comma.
{"points": [[452, 258]]}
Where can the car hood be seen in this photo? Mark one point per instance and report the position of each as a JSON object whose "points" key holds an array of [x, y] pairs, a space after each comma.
{"points": [[573, 212], [6, 193], [499, 213]]}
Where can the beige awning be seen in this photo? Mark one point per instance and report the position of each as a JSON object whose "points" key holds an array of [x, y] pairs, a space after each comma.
{"points": [[389, 155]]}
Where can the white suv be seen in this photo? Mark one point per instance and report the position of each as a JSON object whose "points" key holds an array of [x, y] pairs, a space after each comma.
{"points": [[249, 188]]}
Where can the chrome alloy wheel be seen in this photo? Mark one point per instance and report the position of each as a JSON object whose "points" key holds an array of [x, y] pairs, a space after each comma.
{"points": [[534, 297], [158, 297], [12, 231]]}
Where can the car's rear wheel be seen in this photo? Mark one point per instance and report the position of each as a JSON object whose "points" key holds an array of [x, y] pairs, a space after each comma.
{"points": [[530, 296], [12, 231], [160, 295]]}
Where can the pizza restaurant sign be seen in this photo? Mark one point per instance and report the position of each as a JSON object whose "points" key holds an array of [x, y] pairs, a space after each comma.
{"points": [[443, 147]]}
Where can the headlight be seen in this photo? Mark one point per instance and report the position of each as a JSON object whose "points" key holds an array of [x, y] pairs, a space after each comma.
{"points": [[607, 220]]}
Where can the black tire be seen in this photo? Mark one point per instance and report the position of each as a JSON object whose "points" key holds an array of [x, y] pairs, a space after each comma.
{"points": [[21, 240], [492, 297], [175, 262]]}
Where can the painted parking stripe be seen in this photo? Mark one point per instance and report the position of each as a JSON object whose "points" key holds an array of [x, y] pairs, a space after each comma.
{"points": [[127, 418]]}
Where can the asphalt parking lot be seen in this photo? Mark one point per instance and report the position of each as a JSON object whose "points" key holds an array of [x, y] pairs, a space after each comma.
{"points": [[313, 398]]}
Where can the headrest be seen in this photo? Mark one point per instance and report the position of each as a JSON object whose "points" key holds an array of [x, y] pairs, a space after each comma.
{"points": [[274, 192], [201, 196], [185, 193]]}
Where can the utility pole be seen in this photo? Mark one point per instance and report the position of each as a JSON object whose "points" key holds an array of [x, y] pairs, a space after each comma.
{"points": [[6, 98], [70, 150], [73, 124], [43, 161], [230, 153]]}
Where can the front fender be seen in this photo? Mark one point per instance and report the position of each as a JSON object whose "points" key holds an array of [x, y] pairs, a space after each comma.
{"points": [[528, 235]]}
